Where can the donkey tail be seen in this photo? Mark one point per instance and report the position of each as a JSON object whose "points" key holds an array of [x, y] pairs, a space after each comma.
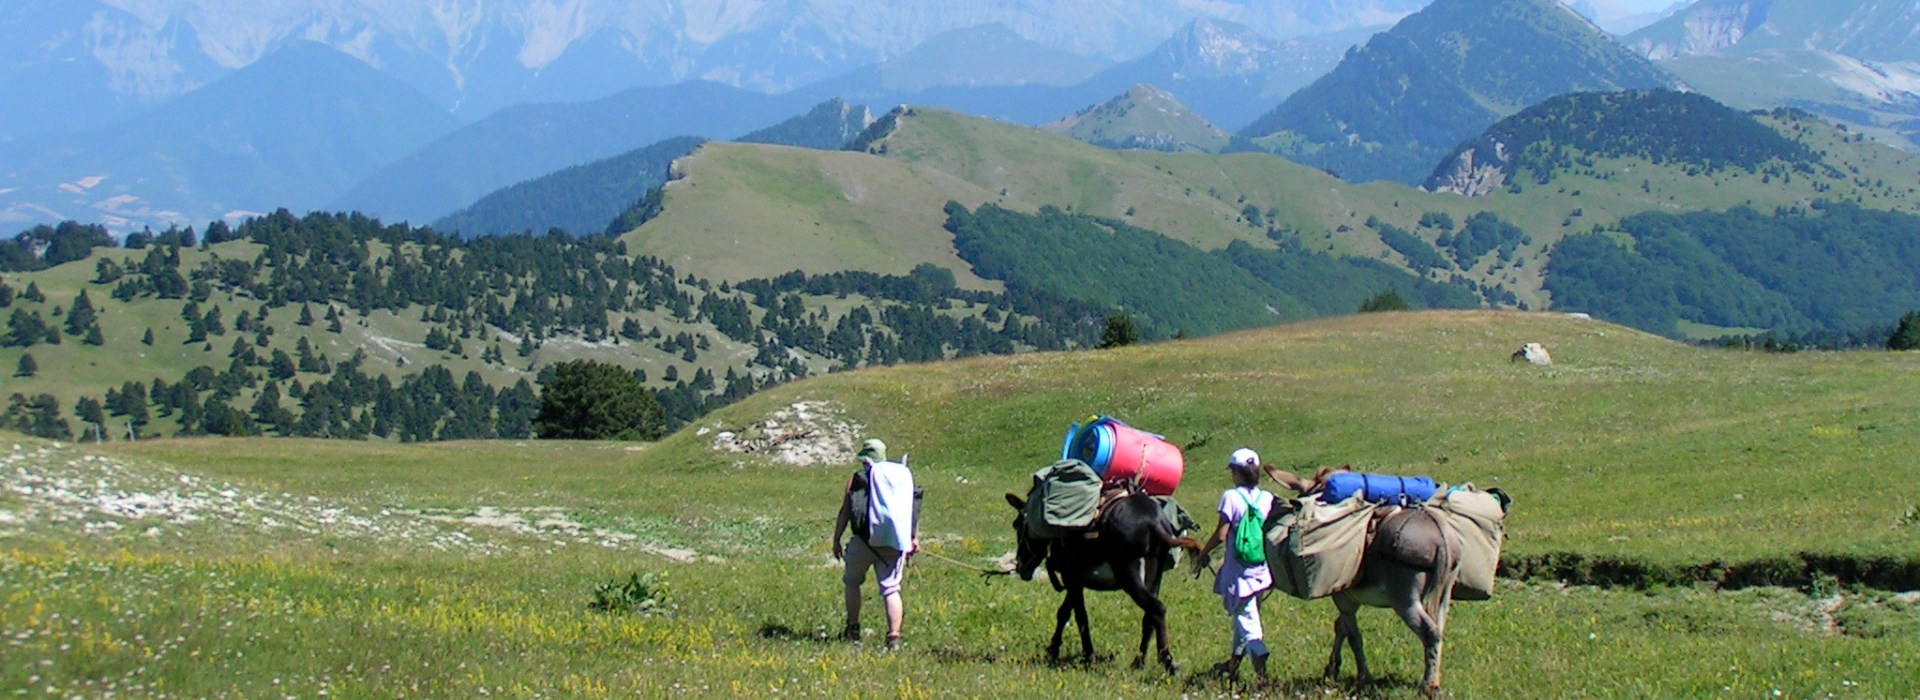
{"points": [[1446, 566]]}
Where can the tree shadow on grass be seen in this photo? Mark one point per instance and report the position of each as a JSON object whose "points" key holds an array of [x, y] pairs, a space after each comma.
{"points": [[778, 632]]}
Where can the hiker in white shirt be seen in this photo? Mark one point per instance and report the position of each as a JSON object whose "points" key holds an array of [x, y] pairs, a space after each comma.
{"points": [[885, 526], [1238, 583]]}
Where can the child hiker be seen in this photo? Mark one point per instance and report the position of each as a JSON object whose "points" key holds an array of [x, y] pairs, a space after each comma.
{"points": [[1239, 580]]}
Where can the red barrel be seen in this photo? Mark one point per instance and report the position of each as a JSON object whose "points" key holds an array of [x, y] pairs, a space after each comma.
{"points": [[1119, 453]]}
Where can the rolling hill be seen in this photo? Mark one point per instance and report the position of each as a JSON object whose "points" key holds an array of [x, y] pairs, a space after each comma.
{"points": [[1392, 108], [782, 209]]}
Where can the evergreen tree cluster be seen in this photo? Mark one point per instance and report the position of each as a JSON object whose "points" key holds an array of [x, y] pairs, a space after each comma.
{"points": [[1170, 287], [1569, 132], [45, 246], [1834, 268], [500, 300]]}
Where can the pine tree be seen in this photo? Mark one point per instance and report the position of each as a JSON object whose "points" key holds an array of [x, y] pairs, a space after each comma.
{"points": [[28, 366], [147, 339], [1906, 336], [588, 400], [1120, 332]]}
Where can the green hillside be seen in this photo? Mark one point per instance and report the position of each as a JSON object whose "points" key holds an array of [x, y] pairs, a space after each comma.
{"points": [[341, 326], [821, 212], [467, 568], [580, 199]]}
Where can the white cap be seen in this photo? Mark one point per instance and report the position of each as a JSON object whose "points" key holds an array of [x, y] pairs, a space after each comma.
{"points": [[1244, 458]]}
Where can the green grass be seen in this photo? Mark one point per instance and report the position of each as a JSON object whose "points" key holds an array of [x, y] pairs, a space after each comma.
{"points": [[1629, 447]]}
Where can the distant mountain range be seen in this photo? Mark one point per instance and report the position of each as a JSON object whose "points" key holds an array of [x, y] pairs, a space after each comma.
{"points": [[84, 60], [369, 124], [1392, 108], [292, 130]]}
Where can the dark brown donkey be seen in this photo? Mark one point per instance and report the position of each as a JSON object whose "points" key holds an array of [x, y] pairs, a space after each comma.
{"points": [[1132, 538]]}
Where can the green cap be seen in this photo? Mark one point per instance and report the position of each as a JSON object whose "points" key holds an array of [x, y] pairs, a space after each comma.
{"points": [[873, 450]]}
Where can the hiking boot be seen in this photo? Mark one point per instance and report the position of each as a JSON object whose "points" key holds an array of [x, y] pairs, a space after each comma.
{"points": [[893, 642], [850, 634]]}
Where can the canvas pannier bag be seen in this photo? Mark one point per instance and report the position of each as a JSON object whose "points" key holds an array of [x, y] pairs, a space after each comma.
{"points": [[1064, 499], [1481, 522], [1314, 549]]}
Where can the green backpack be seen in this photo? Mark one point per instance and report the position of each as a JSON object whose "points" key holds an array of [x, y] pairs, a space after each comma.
{"points": [[1249, 535]]}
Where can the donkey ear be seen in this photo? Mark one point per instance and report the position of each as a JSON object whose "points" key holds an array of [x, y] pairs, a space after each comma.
{"points": [[1017, 502]]}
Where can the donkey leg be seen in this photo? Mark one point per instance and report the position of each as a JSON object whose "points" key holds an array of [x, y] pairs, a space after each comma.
{"points": [[1406, 603], [1147, 628], [1350, 619], [1146, 636], [1060, 623], [1080, 620], [1154, 615]]}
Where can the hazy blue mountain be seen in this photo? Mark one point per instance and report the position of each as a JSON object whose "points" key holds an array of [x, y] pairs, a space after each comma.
{"points": [[1392, 108], [1226, 72], [292, 130], [477, 56], [1877, 30], [982, 56], [525, 142], [1856, 61], [1229, 73]]}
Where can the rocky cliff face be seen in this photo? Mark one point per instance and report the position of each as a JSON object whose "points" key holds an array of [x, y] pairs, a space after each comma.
{"points": [[1473, 172], [1704, 28], [1881, 30]]}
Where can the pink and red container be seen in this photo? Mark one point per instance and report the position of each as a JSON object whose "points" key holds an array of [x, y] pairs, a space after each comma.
{"points": [[1119, 453]]}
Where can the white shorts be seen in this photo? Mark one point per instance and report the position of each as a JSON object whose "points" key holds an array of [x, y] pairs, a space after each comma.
{"points": [[889, 565]]}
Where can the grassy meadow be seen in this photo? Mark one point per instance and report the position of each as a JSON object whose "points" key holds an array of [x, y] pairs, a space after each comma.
{"points": [[295, 568]]}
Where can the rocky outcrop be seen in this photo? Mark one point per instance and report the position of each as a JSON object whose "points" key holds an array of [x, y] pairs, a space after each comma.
{"points": [[1473, 172]]}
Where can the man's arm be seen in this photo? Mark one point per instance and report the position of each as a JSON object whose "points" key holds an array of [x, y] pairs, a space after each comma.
{"points": [[840, 524]]}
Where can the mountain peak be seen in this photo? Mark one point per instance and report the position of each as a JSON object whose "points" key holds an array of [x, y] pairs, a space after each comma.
{"points": [[1210, 48], [1146, 118], [1393, 107]]}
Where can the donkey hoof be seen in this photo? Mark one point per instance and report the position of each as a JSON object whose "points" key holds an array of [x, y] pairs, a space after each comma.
{"points": [[1139, 662], [1173, 669]]}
